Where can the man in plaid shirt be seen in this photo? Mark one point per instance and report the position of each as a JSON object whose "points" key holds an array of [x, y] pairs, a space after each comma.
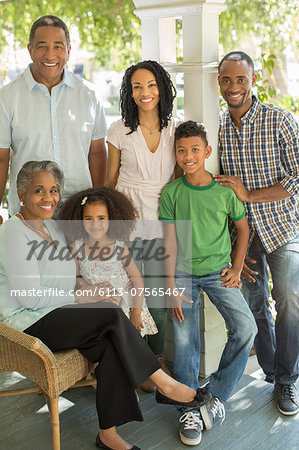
{"points": [[259, 151]]}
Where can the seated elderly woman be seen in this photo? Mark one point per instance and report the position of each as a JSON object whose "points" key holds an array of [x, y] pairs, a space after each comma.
{"points": [[37, 296]]}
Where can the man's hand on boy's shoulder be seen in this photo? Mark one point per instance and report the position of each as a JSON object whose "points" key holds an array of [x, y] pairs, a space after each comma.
{"points": [[236, 184]]}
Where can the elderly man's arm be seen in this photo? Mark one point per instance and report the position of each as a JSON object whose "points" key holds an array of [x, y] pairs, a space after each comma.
{"points": [[97, 160]]}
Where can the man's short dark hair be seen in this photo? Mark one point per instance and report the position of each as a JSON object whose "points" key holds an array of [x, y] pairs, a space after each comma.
{"points": [[191, 129], [237, 56], [46, 21]]}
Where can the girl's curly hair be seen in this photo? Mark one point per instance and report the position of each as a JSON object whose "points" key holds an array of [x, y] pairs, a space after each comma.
{"points": [[122, 213], [167, 92]]}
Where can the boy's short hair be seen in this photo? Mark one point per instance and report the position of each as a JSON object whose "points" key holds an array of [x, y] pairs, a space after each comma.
{"points": [[191, 129]]}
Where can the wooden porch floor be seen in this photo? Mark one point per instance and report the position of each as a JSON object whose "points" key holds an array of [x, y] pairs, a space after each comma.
{"points": [[252, 421]]}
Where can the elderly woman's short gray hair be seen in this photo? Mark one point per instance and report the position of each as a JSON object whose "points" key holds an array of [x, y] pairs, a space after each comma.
{"points": [[30, 168]]}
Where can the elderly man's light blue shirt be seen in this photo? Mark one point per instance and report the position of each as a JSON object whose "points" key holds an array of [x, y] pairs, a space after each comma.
{"points": [[59, 126]]}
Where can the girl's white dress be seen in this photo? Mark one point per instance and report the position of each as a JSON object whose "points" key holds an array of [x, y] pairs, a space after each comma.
{"points": [[95, 271]]}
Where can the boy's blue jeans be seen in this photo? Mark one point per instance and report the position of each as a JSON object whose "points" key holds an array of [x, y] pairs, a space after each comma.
{"points": [[239, 320], [277, 345]]}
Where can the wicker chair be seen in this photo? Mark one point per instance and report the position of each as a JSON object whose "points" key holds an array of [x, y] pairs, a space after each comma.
{"points": [[53, 373]]}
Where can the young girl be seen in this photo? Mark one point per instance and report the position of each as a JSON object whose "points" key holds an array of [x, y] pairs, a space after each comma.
{"points": [[141, 161], [106, 217]]}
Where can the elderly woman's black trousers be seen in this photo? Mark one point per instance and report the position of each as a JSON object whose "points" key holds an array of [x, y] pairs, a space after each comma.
{"points": [[103, 334]]}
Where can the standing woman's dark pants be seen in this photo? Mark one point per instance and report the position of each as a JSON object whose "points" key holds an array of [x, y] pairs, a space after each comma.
{"points": [[105, 335], [153, 271]]}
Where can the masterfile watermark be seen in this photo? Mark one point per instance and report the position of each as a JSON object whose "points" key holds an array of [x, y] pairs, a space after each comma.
{"points": [[53, 292], [96, 291], [39, 249]]}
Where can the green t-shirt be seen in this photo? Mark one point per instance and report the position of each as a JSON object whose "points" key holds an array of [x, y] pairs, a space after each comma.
{"points": [[201, 218]]}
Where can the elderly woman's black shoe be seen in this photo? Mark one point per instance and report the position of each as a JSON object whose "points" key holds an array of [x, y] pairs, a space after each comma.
{"points": [[101, 445], [201, 398]]}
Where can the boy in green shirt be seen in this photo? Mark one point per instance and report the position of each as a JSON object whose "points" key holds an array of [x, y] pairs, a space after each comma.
{"points": [[195, 211]]}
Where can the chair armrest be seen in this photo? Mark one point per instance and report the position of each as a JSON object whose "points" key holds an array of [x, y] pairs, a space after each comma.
{"points": [[26, 341]]}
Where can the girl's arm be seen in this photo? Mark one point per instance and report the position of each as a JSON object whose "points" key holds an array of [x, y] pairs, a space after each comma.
{"points": [[113, 166], [231, 276], [138, 285], [134, 275]]}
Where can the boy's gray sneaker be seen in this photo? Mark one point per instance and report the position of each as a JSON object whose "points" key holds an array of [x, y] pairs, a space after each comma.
{"points": [[287, 398], [190, 430], [211, 412]]}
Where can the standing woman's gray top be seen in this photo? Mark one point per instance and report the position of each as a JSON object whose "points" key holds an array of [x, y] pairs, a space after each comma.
{"points": [[35, 277]]}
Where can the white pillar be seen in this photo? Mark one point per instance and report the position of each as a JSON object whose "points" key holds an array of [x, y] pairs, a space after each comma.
{"points": [[200, 52], [200, 62], [158, 33]]}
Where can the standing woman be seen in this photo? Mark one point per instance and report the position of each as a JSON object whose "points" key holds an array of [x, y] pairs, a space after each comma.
{"points": [[141, 161]]}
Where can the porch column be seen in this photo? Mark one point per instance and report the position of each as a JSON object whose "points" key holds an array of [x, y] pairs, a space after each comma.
{"points": [[201, 103]]}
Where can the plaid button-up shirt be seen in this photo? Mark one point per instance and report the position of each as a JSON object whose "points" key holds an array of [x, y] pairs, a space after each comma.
{"points": [[263, 153]]}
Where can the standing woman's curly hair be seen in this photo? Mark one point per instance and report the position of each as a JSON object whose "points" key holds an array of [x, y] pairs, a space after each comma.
{"points": [[167, 93], [122, 213]]}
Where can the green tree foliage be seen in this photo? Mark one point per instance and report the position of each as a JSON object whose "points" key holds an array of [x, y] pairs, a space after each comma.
{"points": [[274, 24], [264, 90], [112, 31], [107, 27]]}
